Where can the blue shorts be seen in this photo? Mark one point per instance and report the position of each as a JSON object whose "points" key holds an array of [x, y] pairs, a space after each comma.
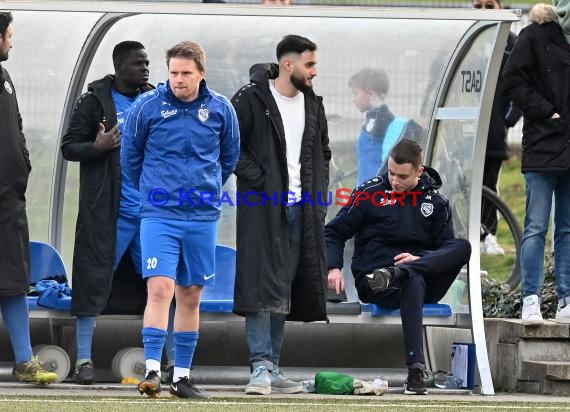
{"points": [[129, 239], [182, 250]]}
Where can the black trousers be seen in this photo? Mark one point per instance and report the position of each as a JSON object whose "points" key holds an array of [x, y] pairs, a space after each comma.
{"points": [[490, 179], [427, 280]]}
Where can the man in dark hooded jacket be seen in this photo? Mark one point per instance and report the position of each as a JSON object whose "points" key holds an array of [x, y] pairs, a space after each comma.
{"points": [[282, 169], [108, 220], [14, 243], [405, 251]]}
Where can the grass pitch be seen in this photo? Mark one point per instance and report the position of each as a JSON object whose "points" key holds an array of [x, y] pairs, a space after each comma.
{"points": [[238, 404]]}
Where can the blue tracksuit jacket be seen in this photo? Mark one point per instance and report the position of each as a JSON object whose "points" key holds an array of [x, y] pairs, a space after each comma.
{"points": [[180, 154]]}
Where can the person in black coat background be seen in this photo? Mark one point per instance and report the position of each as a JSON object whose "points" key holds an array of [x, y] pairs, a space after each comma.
{"points": [[15, 242], [108, 220], [537, 78], [284, 158], [504, 114]]}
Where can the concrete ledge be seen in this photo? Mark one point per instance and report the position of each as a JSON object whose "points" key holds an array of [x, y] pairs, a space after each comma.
{"points": [[513, 330], [552, 370]]}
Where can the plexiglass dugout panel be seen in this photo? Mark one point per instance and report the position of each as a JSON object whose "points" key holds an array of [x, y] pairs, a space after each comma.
{"points": [[442, 67]]}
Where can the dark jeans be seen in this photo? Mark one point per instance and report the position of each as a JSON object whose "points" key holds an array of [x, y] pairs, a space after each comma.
{"points": [[427, 280], [264, 330]]}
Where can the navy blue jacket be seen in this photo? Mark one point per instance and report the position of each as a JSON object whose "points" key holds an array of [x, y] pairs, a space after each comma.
{"points": [[180, 154], [422, 222]]}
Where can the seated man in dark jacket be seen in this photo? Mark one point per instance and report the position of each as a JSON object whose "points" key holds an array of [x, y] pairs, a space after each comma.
{"points": [[405, 250]]}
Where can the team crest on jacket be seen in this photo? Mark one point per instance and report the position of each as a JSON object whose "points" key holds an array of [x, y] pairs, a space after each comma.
{"points": [[426, 209], [8, 87], [370, 125], [203, 114]]}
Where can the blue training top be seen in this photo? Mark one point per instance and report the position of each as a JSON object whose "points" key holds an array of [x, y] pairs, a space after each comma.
{"points": [[372, 150], [179, 154], [130, 197]]}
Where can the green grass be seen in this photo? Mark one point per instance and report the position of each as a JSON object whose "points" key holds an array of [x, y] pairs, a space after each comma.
{"points": [[512, 192], [511, 187], [349, 404]]}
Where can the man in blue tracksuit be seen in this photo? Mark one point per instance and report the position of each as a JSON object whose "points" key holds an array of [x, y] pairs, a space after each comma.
{"points": [[181, 144], [405, 251]]}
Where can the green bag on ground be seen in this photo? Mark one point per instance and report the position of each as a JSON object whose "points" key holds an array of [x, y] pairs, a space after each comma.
{"points": [[333, 383]]}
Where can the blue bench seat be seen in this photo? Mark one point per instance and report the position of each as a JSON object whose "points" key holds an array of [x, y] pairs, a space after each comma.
{"points": [[46, 262], [430, 310]]}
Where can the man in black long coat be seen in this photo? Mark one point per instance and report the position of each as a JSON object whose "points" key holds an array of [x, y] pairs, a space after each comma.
{"points": [[108, 221], [282, 171], [14, 243]]}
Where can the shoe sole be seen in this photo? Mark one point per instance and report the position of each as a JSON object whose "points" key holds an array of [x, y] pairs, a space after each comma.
{"points": [[85, 382], [43, 381], [174, 396], [257, 391], [408, 392], [291, 390], [379, 280], [200, 395], [150, 389]]}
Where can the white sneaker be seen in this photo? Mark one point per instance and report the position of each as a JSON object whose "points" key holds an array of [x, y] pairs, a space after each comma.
{"points": [[563, 313], [531, 311], [260, 382], [492, 247]]}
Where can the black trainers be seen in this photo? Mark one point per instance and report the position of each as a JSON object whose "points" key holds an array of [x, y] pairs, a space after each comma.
{"points": [[150, 385], [415, 384], [380, 279], [184, 388], [84, 374]]}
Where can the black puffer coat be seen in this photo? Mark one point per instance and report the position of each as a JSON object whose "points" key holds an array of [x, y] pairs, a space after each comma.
{"points": [[262, 281], [99, 198], [14, 170], [537, 78]]}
